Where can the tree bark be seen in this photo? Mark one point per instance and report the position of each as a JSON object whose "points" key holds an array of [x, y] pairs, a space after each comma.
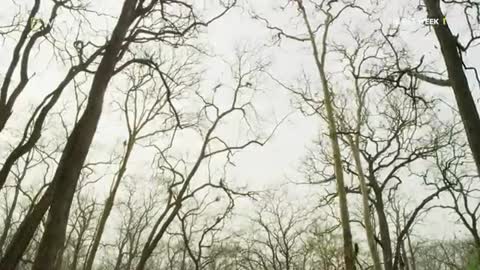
{"points": [[108, 206], [456, 74], [369, 229], [349, 256], [354, 142], [76, 150], [29, 141], [383, 228]]}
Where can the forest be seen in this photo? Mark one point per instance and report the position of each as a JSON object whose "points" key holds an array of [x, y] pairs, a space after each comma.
{"points": [[239, 135]]}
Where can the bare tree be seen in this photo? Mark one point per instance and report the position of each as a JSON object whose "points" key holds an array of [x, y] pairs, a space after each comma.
{"points": [[145, 103], [180, 183], [278, 241], [463, 188], [160, 194], [452, 51], [35, 124], [59, 196], [136, 217], [78, 235], [319, 53]]}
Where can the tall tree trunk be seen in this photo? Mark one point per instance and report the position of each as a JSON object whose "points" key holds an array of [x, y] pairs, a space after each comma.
{"points": [[59, 196], [118, 261], [354, 142], [79, 244], [456, 74], [109, 205], [76, 150], [369, 229], [328, 100], [412, 253], [36, 121], [406, 262], [383, 227]]}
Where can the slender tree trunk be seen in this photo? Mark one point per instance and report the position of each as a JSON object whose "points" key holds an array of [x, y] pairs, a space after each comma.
{"points": [[354, 142], [155, 237], [5, 110], [369, 229], [406, 262], [8, 218], [456, 74], [328, 99], [119, 259], [37, 120], [413, 263], [151, 245], [108, 206], [78, 247], [383, 228]]}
